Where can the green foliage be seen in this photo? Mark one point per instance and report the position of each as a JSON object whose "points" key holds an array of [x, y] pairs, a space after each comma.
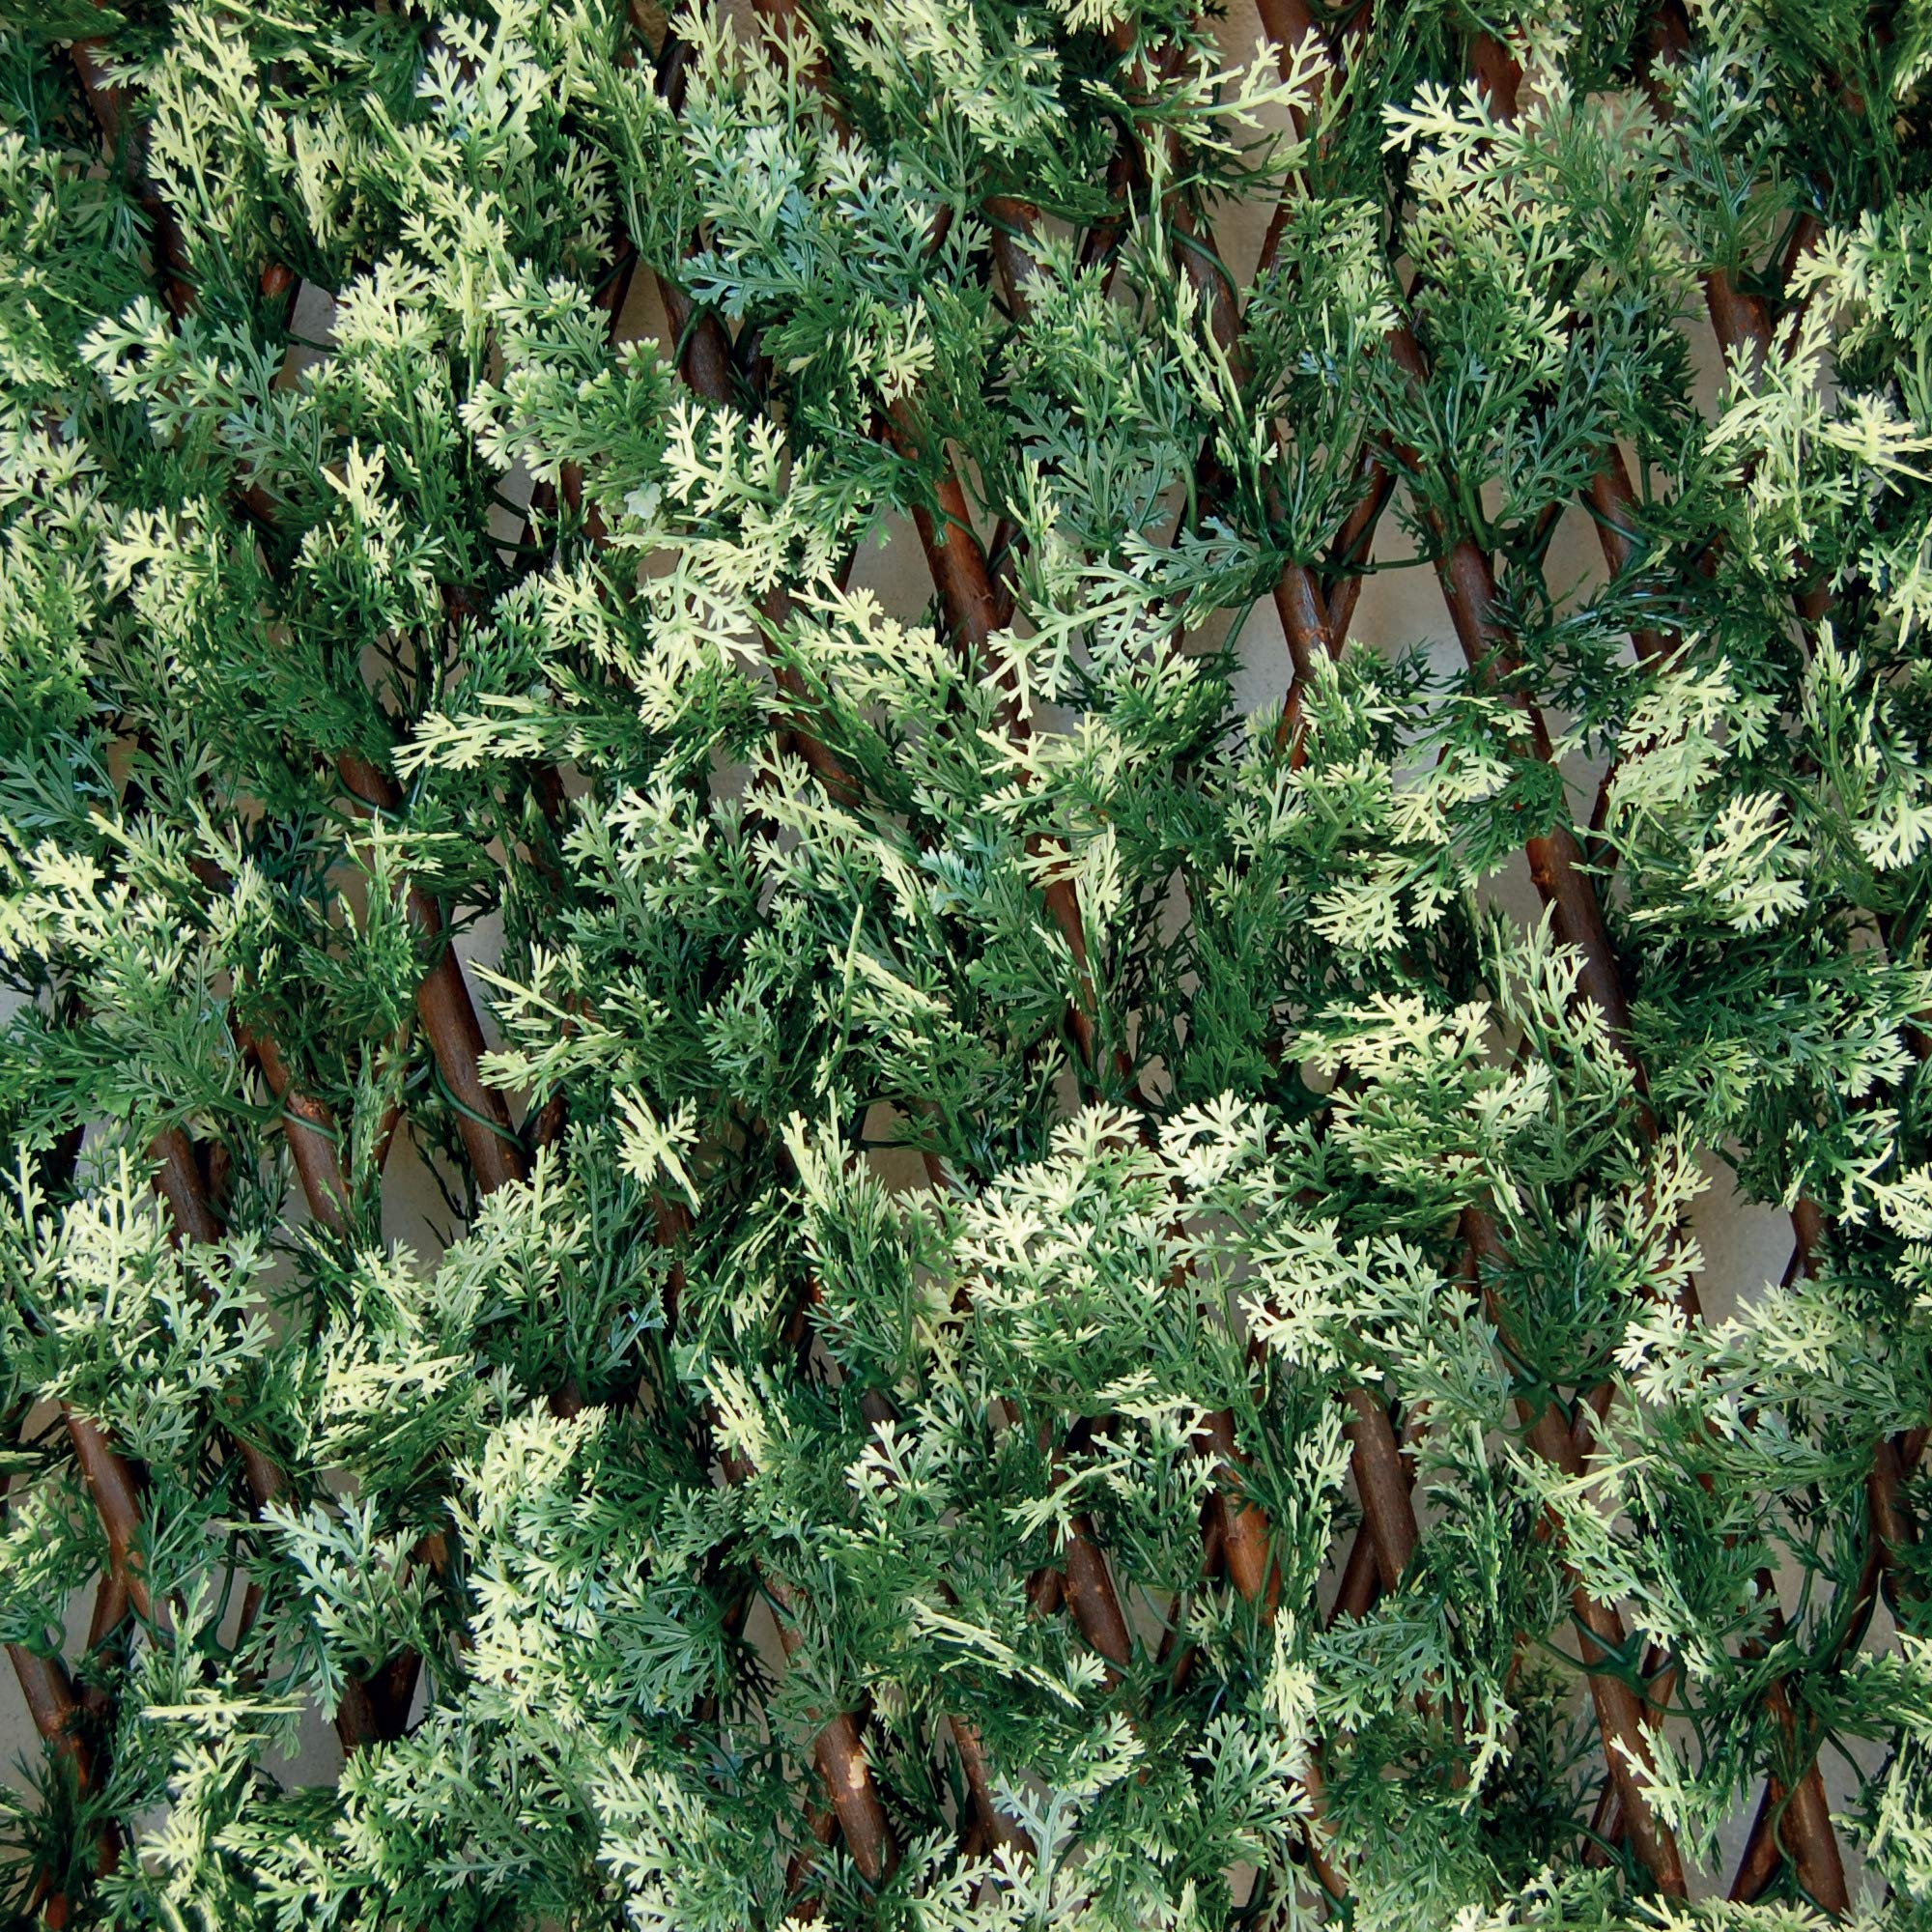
{"points": [[1005, 1115]]}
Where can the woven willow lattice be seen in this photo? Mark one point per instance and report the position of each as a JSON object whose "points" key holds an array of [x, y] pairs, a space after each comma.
{"points": [[1059, 1294]]}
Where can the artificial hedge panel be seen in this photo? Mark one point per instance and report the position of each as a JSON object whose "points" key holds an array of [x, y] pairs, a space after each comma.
{"points": [[1062, 1303]]}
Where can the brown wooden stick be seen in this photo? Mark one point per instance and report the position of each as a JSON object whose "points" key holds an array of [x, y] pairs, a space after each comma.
{"points": [[1621, 1718], [1389, 1513], [446, 1010], [365, 1716], [1813, 1845], [1613, 510], [115, 1486], [974, 605], [837, 1750], [1087, 1591], [1805, 1814], [49, 1696], [1245, 1527], [1742, 327], [444, 1005], [1763, 1854], [1556, 862], [1384, 1486], [180, 1185], [48, 1691], [1361, 1577], [706, 364], [1342, 577], [839, 1753], [1314, 615], [976, 602], [311, 1132], [128, 141], [992, 1828], [841, 1758], [374, 1709], [58, 1716]]}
